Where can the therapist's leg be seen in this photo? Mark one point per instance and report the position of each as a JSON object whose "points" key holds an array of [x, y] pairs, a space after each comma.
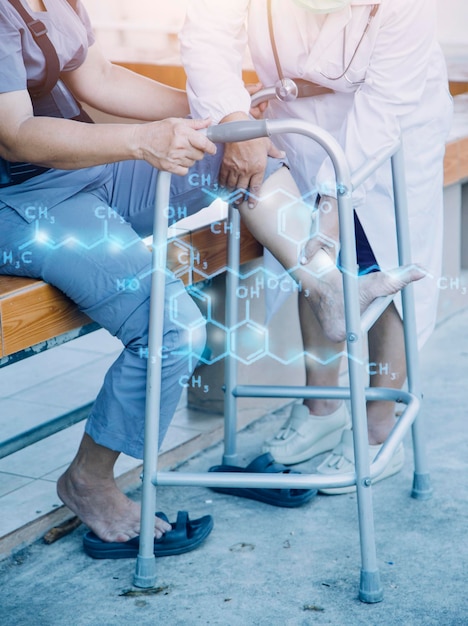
{"points": [[322, 360], [386, 349], [387, 352], [321, 281], [315, 426]]}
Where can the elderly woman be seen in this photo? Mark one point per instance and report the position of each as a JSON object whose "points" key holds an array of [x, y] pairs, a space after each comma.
{"points": [[78, 196], [371, 70]]}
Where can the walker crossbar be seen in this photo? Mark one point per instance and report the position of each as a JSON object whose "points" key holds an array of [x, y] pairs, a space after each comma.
{"points": [[370, 588], [301, 481]]}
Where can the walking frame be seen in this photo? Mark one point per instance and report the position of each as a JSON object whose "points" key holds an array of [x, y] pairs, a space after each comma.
{"points": [[370, 589]]}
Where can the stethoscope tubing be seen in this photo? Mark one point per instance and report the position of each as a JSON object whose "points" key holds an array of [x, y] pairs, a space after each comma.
{"points": [[286, 88]]}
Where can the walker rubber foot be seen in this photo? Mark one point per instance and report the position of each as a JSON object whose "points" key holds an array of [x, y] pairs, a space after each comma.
{"points": [[422, 489], [370, 590], [230, 459], [145, 572]]}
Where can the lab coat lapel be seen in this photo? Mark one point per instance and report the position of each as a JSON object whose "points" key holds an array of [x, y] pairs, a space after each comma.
{"points": [[331, 39], [331, 31]]}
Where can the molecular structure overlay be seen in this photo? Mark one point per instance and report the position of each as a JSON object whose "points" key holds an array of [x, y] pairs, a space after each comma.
{"points": [[260, 289]]}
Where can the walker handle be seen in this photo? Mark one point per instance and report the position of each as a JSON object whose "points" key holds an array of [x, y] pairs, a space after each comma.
{"points": [[237, 131]]}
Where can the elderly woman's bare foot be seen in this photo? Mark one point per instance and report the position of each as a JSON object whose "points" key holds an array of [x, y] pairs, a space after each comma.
{"points": [[327, 301], [101, 505]]}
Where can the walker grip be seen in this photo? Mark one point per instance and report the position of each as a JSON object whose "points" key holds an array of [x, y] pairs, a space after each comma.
{"points": [[237, 131]]}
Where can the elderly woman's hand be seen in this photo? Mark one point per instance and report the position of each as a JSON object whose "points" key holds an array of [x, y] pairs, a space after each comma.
{"points": [[173, 144]]}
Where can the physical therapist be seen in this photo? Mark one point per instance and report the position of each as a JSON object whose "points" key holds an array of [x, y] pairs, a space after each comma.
{"points": [[372, 71]]}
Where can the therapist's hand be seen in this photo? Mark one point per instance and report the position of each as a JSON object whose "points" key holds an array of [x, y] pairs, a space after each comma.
{"points": [[245, 162], [257, 111], [327, 236]]}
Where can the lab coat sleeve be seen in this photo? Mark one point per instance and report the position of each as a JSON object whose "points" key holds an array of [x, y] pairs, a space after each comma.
{"points": [[393, 86], [213, 42]]}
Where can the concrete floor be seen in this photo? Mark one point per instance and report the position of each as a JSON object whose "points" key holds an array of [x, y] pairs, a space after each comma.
{"points": [[265, 566]]}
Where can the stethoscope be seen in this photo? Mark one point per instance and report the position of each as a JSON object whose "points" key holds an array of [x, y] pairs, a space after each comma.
{"points": [[287, 89]]}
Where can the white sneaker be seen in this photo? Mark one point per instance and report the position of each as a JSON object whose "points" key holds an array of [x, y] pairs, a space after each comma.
{"points": [[304, 435], [341, 461]]}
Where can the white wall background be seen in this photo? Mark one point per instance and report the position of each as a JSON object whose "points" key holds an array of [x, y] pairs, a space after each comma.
{"points": [[453, 22], [142, 30], [138, 30]]}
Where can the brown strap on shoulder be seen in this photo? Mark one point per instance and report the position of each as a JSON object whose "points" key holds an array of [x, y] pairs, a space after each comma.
{"points": [[39, 32]]}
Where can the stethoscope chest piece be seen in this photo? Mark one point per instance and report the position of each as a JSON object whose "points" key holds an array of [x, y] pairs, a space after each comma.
{"points": [[286, 90]]}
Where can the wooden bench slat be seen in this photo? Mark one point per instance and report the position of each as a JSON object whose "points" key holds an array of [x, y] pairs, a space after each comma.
{"points": [[173, 75], [11, 284], [32, 311], [456, 161], [33, 315]]}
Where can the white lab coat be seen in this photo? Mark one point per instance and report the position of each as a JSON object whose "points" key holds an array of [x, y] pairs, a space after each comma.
{"points": [[396, 83]]}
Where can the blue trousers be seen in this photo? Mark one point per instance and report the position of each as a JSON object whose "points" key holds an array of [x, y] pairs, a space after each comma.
{"points": [[86, 241]]}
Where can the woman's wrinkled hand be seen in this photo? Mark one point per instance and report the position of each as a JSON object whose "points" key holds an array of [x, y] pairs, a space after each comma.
{"points": [[173, 144]]}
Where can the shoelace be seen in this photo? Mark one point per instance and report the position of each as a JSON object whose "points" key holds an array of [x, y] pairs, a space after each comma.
{"points": [[285, 431]]}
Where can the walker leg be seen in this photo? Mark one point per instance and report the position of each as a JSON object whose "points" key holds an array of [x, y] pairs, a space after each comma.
{"points": [[370, 589], [422, 488], [230, 370], [145, 568]]}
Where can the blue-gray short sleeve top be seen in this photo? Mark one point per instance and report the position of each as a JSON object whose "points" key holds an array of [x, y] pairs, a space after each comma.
{"points": [[21, 59]]}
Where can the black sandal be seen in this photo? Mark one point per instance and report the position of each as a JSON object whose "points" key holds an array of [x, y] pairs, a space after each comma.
{"points": [[185, 535], [266, 464]]}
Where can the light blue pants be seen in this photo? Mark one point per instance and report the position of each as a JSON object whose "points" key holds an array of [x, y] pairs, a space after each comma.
{"points": [[89, 246], [97, 258]]}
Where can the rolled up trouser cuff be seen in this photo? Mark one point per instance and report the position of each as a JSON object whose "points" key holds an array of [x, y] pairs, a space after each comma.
{"points": [[118, 416]]}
